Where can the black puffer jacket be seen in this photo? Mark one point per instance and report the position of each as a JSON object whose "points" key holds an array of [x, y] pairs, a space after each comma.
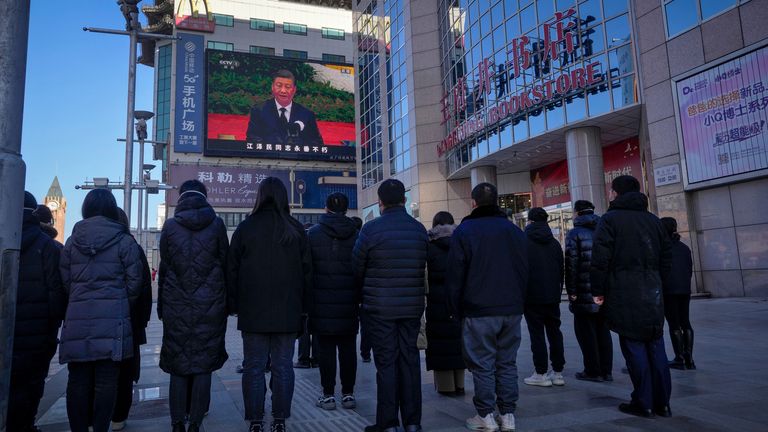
{"points": [[678, 280], [389, 257], [578, 260], [40, 299], [334, 296], [192, 289], [269, 283], [630, 258], [142, 310], [443, 333], [102, 275], [545, 265]]}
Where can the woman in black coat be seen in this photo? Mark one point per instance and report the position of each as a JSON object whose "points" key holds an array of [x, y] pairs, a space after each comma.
{"points": [[269, 275], [102, 275], [443, 333], [192, 302], [677, 299]]}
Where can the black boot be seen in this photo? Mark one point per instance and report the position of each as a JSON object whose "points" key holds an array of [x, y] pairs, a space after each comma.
{"points": [[193, 427], [677, 345], [179, 427], [688, 348]]}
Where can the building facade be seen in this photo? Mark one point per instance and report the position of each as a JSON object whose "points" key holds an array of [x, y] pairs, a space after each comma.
{"points": [[54, 200], [222, 35], [552, 99]]}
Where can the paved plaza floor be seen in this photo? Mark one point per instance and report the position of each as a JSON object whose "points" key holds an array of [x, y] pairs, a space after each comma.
{"points": [[728, 392]]}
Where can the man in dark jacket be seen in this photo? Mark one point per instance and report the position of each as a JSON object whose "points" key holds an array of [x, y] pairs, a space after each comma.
{"points": [[45, 217], [334, 314], [677, 299], [630, 259], [589, 324], [487, 280], [40, 305], [390, 256], [542, 304], [192, 302]]}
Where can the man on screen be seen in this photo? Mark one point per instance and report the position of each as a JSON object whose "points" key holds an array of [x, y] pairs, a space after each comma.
{"points": [[280, 120]]}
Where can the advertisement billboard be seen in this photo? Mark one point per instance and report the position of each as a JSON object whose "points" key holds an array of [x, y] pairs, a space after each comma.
{"points": [[236, 187], [189, 125], [722, 112], [281, 108]]}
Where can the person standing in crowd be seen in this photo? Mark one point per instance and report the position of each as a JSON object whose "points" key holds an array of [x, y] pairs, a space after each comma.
{"points": [[631, 257], [365, 347], [102, 275], [677, 299], [192, 302], [308, 345], [589, 324], [269, 276], [487, 280], [390, 256], [335, 314], [45, 217], [40, 303], [130, 369], [542, 304], [443, 333]]}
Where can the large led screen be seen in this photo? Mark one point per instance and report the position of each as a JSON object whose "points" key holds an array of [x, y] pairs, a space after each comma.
{"points": [[268, 107]]}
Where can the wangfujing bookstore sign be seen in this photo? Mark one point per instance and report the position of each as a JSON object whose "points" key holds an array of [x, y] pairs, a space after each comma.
{"points": [[526, 55]]}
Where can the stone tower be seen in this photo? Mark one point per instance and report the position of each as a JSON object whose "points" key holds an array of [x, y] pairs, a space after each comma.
{"points": [[55, 201]]}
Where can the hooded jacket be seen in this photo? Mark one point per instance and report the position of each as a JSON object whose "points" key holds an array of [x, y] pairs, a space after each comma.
{"points": [[545, 265], [40, 299], [334, 297], [678, 280], [578, 260], [192, 288], [488, 266], [631, 256], [443, 333], [102, 275], [390, 255]]}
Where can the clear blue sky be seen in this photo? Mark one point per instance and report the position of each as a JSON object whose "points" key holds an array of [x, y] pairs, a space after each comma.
{"points": [[75, 102]]}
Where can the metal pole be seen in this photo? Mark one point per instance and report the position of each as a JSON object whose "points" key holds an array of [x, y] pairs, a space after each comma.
{"points": [[14, 31], [140, 212], [129, 125], [146, 210]]}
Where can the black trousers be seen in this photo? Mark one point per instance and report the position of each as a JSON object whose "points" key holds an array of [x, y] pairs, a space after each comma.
{"points": [[328, 346], [398, 370], [129, 372], [179, 391], [365, 345], [676, 310], [541, 318], [307, 346], [99, 380], [648, 369], [28, 375], [595, 342]]}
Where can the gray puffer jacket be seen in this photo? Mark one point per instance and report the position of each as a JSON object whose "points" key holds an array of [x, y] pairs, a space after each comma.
{"points": [[102, 275]]}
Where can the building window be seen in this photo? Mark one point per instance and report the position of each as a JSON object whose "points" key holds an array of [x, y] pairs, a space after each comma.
{"points": [[263, 25], [224, 20], [163, 96], [331, 33], [683, 15], [334, 58], [224, 46], [295, 54], [262, 50], [295, 29]]}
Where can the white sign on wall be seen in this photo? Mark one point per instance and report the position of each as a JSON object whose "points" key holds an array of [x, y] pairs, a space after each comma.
{"points": [[667, 175]]}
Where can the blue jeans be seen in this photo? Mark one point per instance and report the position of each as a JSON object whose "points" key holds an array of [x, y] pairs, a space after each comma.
{"points": [[258, 348], [489, 346], [649, 371]]}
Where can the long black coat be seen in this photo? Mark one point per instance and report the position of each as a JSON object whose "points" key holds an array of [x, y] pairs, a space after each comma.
{"points": [[334, 296], [678, 280], [630, 258], [102, 275], [268, 282], [443, 333], [40, 299], [545, 265], [390, 256], [142, 310], [192, 289], [578, 260]]}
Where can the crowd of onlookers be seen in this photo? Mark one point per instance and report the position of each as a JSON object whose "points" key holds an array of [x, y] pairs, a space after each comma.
{"points": [[478, 279]]}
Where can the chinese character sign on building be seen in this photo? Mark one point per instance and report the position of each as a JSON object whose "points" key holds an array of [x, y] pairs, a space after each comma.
{"points": [[190, 88], [723, 114]]}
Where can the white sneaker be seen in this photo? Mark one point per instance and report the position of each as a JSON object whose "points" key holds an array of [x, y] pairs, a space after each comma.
{"points": [[487, 423], [556, 378], [541, 380], [507, 422], [118, 426]]}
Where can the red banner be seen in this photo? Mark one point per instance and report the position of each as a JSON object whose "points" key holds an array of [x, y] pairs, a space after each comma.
{"points": [[549, 185], [622, 158]]}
